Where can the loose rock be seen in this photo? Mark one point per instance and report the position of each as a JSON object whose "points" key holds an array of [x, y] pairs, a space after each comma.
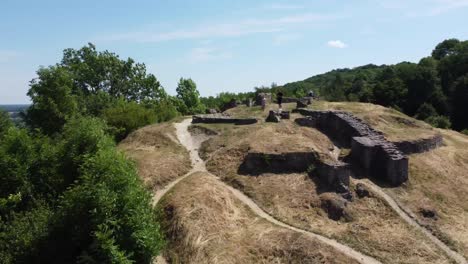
{"points": [[362, 191]]}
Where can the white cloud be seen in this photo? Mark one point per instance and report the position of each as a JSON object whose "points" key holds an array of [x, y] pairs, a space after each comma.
{"points": [[203, 54], [237, 29], [285, 38], [337, 44]]}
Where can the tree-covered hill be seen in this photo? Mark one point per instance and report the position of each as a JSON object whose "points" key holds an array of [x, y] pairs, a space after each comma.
{"points": [[434, 89]]}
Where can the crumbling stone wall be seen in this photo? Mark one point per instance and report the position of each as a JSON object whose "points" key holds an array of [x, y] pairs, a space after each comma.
{"points": [[221, 118], [333, 175], [258, 163], [369, 148], [258, 98], [420, 145]]}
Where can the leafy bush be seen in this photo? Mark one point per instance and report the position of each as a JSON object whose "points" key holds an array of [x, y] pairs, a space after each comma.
{"points": [[439, 121], [465, 131], [425, 111], [73, 198], [107, 216], [5, 122], [165, 111], [126, 117], [24, 232]]}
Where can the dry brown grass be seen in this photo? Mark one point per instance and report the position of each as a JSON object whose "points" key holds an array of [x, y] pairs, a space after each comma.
{"points": [[243, 111], [395, 125], [206, 223], [439, 180], [270, 138], [157, 153], [294, 198]]}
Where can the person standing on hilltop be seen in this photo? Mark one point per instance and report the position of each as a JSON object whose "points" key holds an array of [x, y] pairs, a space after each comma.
{"points": [[279, 99], [263, 102]]}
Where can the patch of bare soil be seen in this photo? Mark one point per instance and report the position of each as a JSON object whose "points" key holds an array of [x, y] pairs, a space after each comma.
{"points": [[373, 227], [206, 223], [157, 153], [437, 190]]}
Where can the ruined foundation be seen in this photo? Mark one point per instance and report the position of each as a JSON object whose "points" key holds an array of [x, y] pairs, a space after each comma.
{"points": [[334, 175], [222, 119], [369, 148], [420, 145]]}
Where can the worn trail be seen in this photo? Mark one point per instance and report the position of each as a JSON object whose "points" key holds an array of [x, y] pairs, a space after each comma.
{"points": [[198, 165], [407, 216]]}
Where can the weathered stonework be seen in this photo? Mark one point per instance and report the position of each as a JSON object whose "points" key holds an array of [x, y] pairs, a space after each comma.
{"points": [[258, 163], [420, 145], [259, 97], [369, 148], [333, 175], [276, 116], [221, 118], [301, 104]]}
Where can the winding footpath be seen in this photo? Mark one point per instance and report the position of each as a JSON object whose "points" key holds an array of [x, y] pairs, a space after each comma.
{"points": [[198, 165], [407, 216]]}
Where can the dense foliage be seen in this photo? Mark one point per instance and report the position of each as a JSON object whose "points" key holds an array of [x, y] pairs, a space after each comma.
{"points": [[435, 89], [72, 198], [189, 97], [67, 194], [91, 83]]}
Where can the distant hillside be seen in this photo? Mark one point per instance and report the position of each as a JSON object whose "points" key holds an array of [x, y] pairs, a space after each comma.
{"points": [[435, 89], [11, 108], [14, 111]]}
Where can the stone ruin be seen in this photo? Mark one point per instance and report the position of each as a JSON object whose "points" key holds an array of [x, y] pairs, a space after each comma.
{"points": [[276, 116], [369, 148], [259, 97], [420, 145], [222, 119]]}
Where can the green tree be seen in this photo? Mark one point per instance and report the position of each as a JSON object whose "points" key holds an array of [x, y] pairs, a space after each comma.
{"points": [[390, 90], [53, 101], [5, 122], [86, 82], [425, 111], [460, 103], [444, 48], [187, 92], [126, 117], [95, 71]]}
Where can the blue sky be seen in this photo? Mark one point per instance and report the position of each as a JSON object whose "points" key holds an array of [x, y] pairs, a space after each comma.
{"points": [[223, 45]]}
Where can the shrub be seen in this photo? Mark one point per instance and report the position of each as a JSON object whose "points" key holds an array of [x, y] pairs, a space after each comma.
{"points": [[439, 121], [165, 111], [465, 131], [126, 117], [5, 122], [106, 217], [24, 232], [425, 111]]}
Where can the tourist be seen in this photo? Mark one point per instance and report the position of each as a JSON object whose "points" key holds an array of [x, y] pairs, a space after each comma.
{"points": [[263, 102], [279, 99]]}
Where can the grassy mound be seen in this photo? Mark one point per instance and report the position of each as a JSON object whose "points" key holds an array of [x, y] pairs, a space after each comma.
{"points": [[205, 223], [159, 156]]}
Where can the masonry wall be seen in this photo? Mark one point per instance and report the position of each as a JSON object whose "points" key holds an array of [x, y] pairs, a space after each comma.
{"points": [[420, 145], [220, 118], [333, 175], [369, 149]]}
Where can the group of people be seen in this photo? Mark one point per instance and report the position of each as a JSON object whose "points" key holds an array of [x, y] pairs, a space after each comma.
{"points": [[279, 99]]}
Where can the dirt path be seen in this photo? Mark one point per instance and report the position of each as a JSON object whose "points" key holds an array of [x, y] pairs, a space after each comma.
{"points": [[192, 145], [406, 215]]}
